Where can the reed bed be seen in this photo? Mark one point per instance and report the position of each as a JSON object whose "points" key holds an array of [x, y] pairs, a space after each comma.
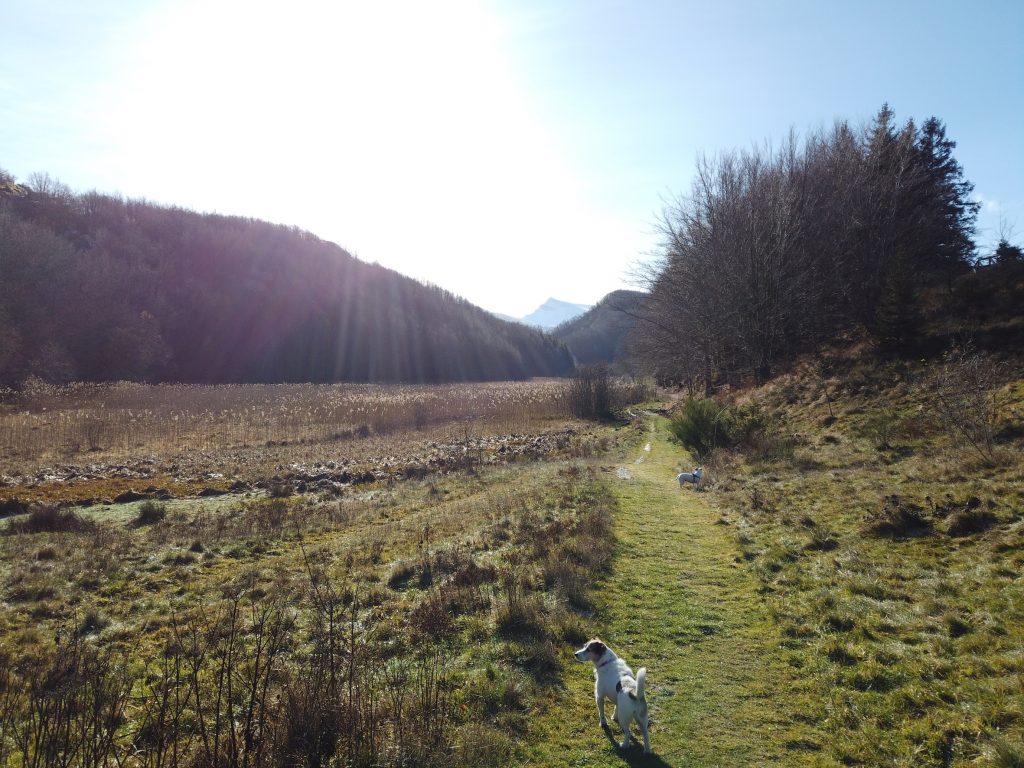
{"points": [[43, 422]]}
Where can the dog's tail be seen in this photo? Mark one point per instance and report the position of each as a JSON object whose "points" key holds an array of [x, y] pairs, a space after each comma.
{"points": [[641, 682]]}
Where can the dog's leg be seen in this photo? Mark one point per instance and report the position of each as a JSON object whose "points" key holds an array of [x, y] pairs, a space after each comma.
{"points": [[647, 738], [600, 709], [626, 736]]}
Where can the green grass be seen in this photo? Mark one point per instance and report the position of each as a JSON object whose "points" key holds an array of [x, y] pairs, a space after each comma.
{"points": [[679, 603], [780, 623], [891, 566]]}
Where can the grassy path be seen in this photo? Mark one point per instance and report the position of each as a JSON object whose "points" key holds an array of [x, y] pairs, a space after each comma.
{"points": [[678, 602]]}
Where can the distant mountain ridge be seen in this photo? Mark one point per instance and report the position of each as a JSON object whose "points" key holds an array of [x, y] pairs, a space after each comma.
{"points": [[601, 334], [97, 288], [554, 312]]}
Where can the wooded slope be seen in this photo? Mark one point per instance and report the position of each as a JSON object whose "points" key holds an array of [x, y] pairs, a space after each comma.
{"points": [[94, 287]]}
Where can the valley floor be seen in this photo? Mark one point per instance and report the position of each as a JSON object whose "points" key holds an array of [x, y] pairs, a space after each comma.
{"points": [[680, 602]]}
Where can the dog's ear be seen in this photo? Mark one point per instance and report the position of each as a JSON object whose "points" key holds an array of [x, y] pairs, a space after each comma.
{"points": [[597, 647]]}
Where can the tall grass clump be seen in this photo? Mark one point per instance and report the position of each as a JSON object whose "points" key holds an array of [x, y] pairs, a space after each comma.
{"points": [[47, 518], [151, 513]]}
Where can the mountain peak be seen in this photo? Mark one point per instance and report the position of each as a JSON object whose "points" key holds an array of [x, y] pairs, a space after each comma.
{"points": [[554, 312]]}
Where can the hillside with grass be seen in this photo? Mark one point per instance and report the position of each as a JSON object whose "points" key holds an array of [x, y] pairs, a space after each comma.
{"points": [[97, 288], [879, 505]]}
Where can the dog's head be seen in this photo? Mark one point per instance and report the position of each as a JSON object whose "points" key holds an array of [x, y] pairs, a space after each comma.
{"points": [[593, 650]]}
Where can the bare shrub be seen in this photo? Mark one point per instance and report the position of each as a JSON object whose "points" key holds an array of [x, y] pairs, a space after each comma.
{"points": [[11, 701], [272, 512], [74, 702], [593, 393], [967, 399]]}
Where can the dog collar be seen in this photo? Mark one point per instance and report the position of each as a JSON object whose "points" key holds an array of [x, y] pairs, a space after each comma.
{"points": [[606, 663]]}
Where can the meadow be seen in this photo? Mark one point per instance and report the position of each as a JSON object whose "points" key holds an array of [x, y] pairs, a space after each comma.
{"points": [[377, 617], [843, 587]]}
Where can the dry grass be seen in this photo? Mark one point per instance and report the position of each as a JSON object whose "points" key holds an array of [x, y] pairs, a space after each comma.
{"points": [[402, 543], [83, 442], [398, 626], [104, 421]]}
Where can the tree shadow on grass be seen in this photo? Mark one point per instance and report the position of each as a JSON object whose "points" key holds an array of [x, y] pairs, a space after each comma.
{"points": [[634, 754]]}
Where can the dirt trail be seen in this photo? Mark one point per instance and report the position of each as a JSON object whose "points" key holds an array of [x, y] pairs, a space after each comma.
{"points": [[679, 603]]}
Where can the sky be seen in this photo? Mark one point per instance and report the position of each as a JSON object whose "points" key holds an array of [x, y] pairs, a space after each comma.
{"points": [[508, 151]]}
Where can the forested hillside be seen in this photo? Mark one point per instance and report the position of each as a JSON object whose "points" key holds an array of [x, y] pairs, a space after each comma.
{"points": [[778, 250], [97, 288], [601, 334]]}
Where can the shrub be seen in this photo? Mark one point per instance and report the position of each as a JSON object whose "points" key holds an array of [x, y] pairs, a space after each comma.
{"points": [[704, 426], [968, 401], [519, 613], [280, 490], [881, 429], [473, 575], [701, 426], [401, 573], [433, 618], [272, 512], [568, 580]]}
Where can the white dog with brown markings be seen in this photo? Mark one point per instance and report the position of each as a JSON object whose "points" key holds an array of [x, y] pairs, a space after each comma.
{"points": [[690, 477], [614, 681]]}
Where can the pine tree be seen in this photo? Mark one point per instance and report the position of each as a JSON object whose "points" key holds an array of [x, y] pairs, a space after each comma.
{"points": [[1008, 254], [951, 211], [897, 324]]}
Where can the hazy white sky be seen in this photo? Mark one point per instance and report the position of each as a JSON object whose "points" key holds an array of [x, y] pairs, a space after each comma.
{"points": [[508, 151]]}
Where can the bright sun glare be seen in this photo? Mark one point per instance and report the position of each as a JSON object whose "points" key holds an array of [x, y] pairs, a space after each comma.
{"points": [[397, 129]]}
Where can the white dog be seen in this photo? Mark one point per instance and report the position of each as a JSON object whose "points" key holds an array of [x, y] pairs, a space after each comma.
{"points": [[690, 477], [613, 680]]}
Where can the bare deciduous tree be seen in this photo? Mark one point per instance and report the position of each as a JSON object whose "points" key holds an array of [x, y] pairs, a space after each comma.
{"points": [[774, 249]]}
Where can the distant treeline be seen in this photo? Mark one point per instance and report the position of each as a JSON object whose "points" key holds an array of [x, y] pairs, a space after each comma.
{"points": [[778, 249], [97, 288], [601, 334]]}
